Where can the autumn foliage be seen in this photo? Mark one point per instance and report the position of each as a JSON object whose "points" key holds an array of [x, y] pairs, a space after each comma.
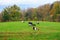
{"points": [[47, 12]]}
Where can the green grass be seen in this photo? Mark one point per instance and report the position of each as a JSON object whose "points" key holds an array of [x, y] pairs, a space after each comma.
{"points": [[22, 31]]}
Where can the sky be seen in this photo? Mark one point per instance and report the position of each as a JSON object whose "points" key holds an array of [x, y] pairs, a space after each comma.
{"points": [[24, 4]]}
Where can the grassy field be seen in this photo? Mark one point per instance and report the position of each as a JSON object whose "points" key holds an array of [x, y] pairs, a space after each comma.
{"points": [[22, 31]]}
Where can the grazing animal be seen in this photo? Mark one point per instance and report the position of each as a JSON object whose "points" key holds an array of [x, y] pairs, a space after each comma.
{"points": [[34, 28], [22, 21], [30, 23], [37, 22]]}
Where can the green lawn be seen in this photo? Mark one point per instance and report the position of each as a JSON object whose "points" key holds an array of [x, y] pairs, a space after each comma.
{"points": [[22, 31]]}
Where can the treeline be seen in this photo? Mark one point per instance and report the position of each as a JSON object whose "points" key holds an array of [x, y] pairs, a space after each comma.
{"points": [[47, 12]]}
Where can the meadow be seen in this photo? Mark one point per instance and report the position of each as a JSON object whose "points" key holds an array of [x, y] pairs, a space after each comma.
{"points": [[22, 31]]}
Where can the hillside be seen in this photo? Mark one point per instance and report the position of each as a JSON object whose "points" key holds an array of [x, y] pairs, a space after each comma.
{"points": [[22, 31]]}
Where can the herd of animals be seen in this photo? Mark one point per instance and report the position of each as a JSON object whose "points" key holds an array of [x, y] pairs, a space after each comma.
{"points": [[33, 25]]}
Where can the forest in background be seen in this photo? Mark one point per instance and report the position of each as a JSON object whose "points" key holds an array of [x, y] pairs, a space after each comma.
{"points": [[47, 12]]}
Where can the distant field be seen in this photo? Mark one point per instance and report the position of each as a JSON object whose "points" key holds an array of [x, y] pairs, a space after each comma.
{"points": [[22, 31]]}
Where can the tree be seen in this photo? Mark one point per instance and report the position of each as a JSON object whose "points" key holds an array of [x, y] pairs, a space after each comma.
{"points": [[43, 12], [31, 14], [55, 11], [5, 15], [11, 13], [0, 17]]}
